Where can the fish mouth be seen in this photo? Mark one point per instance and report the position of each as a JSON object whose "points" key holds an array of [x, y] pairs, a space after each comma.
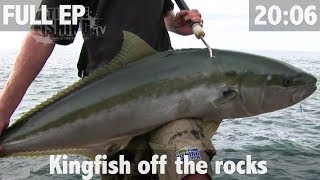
{"points": [[314, 88], [303, 94], [308, 92], [310, 88]]}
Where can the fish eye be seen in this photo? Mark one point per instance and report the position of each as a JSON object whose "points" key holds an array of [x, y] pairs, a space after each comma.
{"points": [[287, 82]]}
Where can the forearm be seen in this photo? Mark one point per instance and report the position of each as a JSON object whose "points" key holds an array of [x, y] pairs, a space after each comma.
{"points": [[169, 18], [29, 63]]}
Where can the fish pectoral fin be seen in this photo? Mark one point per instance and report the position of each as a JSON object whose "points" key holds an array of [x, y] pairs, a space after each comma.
{"points": [[227, 96]]}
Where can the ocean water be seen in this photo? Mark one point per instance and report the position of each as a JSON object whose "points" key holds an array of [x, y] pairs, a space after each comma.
{"points": [[289, 139]]}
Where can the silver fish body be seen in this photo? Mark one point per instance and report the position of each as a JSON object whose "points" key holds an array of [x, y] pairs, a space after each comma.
{"points": [[152, 91]]}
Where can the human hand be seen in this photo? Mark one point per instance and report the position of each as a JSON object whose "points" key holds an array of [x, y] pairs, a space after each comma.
{"points": [[4, 123], [182, 19]]}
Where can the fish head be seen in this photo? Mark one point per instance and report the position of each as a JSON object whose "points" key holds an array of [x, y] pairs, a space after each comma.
{"points": [[255, 85], [282, 90]]}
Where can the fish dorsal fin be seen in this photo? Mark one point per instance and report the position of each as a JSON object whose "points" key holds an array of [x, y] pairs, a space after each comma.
{"points": [[133, 49]]}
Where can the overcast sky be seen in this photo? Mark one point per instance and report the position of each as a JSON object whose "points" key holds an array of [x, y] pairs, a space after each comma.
{"points": [[226, 26]]}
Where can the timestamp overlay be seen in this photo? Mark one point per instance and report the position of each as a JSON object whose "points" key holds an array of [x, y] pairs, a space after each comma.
{"points": [[284, 15]]}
